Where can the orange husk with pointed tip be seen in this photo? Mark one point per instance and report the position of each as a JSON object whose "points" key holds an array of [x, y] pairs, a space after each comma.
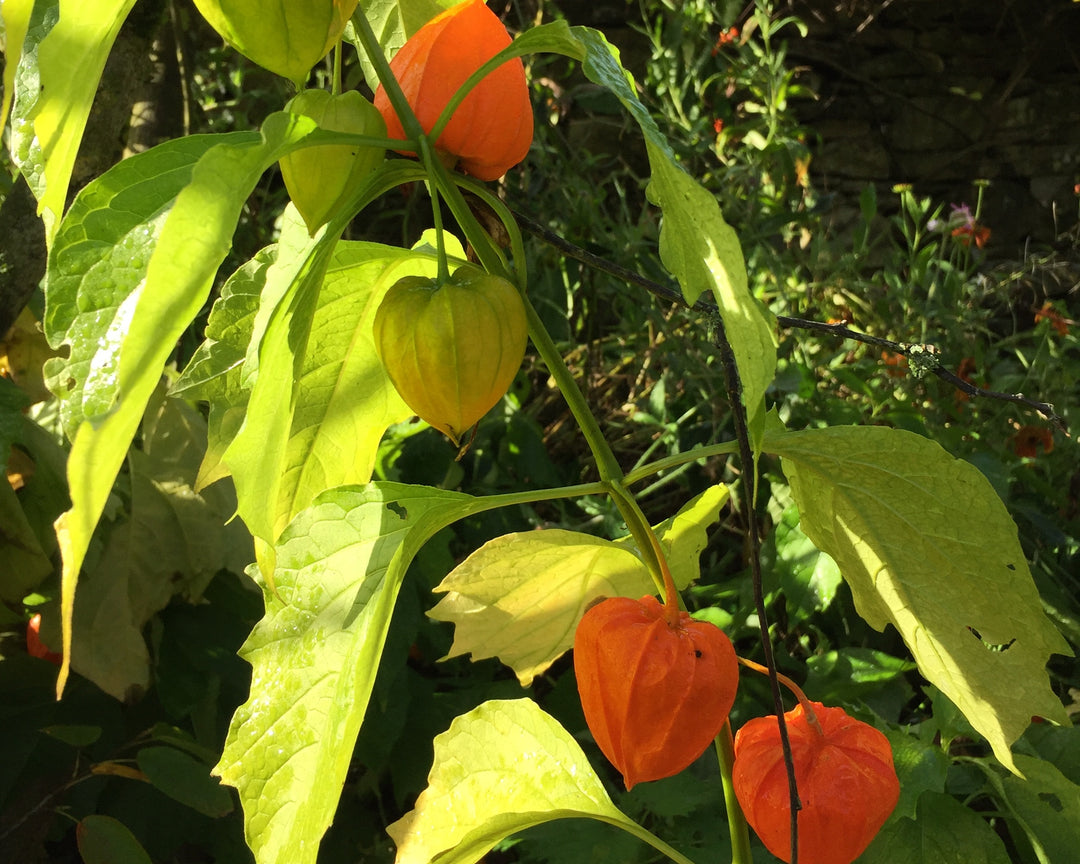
{"points": [[654, 695], [845, 776], [491, 130]]}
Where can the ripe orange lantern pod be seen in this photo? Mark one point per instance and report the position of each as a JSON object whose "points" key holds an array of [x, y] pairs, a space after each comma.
{"points": [[845, 775], [491, 130], [656, 685]]}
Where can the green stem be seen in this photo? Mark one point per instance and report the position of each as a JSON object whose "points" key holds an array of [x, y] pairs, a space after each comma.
{"points": [[647, 836], [335, 88], [740, 832], [390, 85], [679, 459], [436, 212]]}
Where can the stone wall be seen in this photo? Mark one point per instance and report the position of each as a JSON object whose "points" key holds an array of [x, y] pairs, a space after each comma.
{"points": [[938, 93]]}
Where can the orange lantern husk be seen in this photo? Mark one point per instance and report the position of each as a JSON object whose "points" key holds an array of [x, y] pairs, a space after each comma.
{"points": [[654, 695], [846, 780], [491, 130]]}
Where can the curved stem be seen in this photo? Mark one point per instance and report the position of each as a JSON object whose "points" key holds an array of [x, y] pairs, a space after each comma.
{"points": [[648, 837], [375, 54], [436, 213], [807, 706], [335, 88], [740, 831]]}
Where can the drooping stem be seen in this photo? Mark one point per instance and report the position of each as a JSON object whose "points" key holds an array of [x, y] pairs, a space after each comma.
{"points": [[740, 832], [436, 213], [610, 472], [335, 88], [390, 85], [807, 706]]}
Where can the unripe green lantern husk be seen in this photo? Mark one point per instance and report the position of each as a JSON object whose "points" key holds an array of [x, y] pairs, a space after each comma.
{"points": [[452, 350], [320, 178]]}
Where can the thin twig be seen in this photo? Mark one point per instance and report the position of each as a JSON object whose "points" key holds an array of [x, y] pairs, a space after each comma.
{"points": [[733, 384], [672, 294]]}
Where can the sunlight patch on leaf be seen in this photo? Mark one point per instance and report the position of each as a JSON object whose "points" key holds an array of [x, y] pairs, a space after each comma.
{"points": [[926, 545], [503, 767], [81, 39]]}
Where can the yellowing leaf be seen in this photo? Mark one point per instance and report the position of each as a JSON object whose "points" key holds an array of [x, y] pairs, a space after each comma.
{"points": [[684, 535], [519, 597], [927, 546], [503, 767]]}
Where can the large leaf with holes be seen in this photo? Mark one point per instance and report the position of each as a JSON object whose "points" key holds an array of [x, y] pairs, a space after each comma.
{"points": [[926, 545]]}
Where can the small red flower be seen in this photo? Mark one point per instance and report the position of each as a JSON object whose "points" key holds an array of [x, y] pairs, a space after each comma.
{"points": [[967, 234], [718, 125], [1026, 441], [726, 37], [895, 364], [1058, 321], [34, 646]]}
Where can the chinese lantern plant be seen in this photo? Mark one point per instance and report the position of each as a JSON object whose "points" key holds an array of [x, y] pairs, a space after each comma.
{"points": [[845, 776], [321, 177], [451, 345], [490, 131], [656, 685]]}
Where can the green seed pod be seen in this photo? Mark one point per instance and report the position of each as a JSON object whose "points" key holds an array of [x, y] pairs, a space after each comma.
{"points": [[452, 349], [321, 178]]}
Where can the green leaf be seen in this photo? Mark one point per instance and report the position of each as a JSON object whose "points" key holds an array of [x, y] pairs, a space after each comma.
{"points": [[685, 534], [185, 779], [132, 264], [315, 653], [927, 546], [76, 736], [172, 541], [920, 768], [23, 563], [696, 244], [287, 453], [104, 840], [70, 60], [808, 577], [945, 832], [216, 370], [519, 597], [482, 788], [15, 19], [1047, 806]]}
